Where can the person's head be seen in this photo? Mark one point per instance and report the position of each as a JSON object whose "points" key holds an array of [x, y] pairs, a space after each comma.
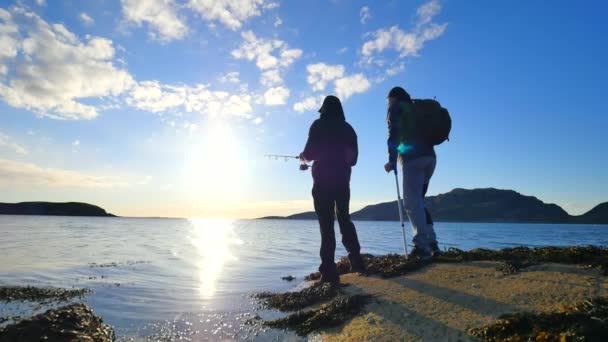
{"points": [[332, 108], [398, 94]]}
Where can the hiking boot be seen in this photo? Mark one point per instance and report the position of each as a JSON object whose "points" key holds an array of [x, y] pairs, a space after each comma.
{"points": [[333, 280], [357, 265], [419, 254], [435, 251]]}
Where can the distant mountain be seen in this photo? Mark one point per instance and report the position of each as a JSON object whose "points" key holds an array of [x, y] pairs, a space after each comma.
{"points": [[52, 209], [481, 205], [597, 215]]}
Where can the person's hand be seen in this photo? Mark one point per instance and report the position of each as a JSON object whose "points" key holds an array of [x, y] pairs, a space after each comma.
{"points": [[388, 167], [301, 156]]}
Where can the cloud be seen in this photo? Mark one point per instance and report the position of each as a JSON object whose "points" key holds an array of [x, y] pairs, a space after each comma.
{"points": [[406, 43], [230, 77], [309, 103], [41, 2], [276, 96], [365, 14], [160, 15], [76, 143], [55, 69], [231, 13], [260, 50], [320, 73], [347, 86], [278, 22], [14, 173], [9, 43], [270, 55], [85, 19], [155, 97], [271, 77], [8, 142]]}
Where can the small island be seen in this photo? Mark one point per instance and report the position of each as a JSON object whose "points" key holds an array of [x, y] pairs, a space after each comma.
{"points": [[53, 209]]}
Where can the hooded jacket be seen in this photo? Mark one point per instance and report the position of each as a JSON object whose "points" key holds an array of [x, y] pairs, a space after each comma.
{"points": [[332, 145]]}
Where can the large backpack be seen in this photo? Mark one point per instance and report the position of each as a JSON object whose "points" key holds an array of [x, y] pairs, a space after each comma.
{"points": [[433, 121]]}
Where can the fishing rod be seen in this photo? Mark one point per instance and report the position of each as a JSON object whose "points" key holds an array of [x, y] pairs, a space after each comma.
{"points": [[303, 165]]}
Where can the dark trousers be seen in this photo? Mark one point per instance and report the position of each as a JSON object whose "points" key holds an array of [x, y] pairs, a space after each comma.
{"points": [[331, 202]]}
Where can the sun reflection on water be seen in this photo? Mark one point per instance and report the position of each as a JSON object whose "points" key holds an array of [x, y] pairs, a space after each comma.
{"points": [[212, 239]]}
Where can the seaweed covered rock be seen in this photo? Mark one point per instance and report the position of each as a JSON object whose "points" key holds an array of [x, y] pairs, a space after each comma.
{"points": [[39, 294], [327, 315], [584, 321], [289, 301], [516, 258], [75, 322]]}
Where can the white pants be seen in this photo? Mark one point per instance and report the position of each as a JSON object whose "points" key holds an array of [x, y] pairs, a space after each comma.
{"points": [[417, 174]]}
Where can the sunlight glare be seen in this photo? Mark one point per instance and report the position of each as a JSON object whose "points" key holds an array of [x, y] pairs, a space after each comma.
{"points": [[212, 239]]}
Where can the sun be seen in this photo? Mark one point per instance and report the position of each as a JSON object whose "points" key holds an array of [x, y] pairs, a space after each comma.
{"points": [[212, 169]]}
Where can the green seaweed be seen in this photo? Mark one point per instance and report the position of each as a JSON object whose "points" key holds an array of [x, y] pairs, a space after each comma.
{"points": [[39, 294], [289, 301], [74, 322], [332, 314], [583, 321]]}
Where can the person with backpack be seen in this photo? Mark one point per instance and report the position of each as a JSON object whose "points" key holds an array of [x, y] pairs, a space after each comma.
{"points": [[414, 127], [332, 145]]}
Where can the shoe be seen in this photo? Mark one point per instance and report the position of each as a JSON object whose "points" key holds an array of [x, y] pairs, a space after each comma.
{"points": [[419, 254], [435, 251], [334, 281], [357, 266]]}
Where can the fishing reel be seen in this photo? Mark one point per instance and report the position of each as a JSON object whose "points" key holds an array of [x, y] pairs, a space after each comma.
{"points": [[304, 166]]}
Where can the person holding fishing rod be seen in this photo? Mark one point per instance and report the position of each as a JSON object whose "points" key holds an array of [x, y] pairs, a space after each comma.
{"points": [[414, 128], [332, 145]]}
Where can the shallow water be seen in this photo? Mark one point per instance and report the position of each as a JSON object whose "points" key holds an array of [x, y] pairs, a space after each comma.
{"points": [[193, 278]]}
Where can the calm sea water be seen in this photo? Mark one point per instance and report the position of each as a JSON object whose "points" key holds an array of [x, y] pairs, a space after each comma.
{"points": [[194, 278]]}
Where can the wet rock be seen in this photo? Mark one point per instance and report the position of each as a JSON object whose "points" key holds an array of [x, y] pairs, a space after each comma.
{"points": [[289, 301], [75, 322], [584, 321], [515, 259], [334, 313], [39, 294], [289, 278]]}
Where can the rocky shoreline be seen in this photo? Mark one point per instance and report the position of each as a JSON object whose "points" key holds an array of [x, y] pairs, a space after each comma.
{"points": [[549, 293]]}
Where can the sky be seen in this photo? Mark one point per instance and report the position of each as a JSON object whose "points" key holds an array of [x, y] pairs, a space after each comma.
{"points": [[167, 107]]}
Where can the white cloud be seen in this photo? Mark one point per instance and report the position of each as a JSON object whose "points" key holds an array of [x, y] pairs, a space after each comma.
{"points": [[406, 43], [76, 143], [271, 77], [14, 173], [231, 13], [258, 120], [276, 96], [9, 43], [86, 19], [347, 86], [160, 15], [427, 11], [320, 73], [309, 103], [342, 50], [8, 142], [56, 69], [278, 22], [271, 56], [365, 14], [155, 97], [41, 2], [230, 77]]}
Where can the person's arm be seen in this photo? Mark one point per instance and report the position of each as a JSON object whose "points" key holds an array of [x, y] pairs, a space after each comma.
{"points": [[392, 120], [352, 148], [311, 150]]}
